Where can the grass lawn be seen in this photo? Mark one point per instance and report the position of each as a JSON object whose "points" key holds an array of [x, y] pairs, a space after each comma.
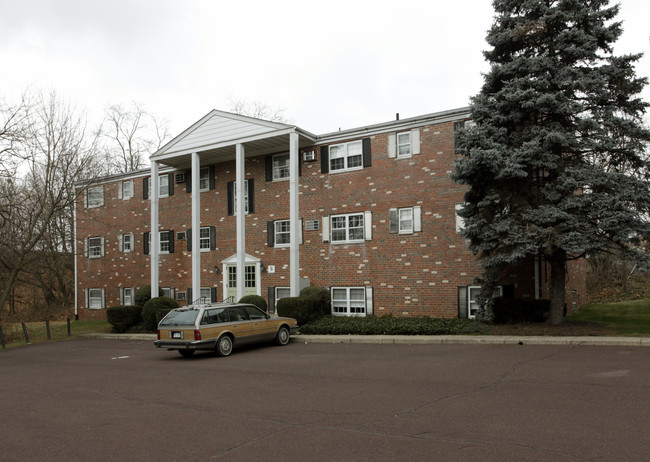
{"points": [[628, 317], [37, 331]]}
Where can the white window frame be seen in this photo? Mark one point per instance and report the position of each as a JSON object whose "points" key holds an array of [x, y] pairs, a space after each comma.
{"points": [[460, 221], [205, 298], [346, 306], [282, 228], [204, 241], [95, 299], [127, 243], [347, 219], [95, 197], [280, 164], [402, 222], [278, 297], [167, 292], [161, 242], [204, 179], [127, 296], [95, 247], [403, 141], [472, 304], [127, 189], [234, 197], [342, 151], [163, 185]]}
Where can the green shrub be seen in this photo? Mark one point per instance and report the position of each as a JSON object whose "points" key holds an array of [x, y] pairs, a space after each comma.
{"points": [[295, 307], [318, 300], [143, 295], [391, 325], [150, 309], [511, 310], [254, 300], [123, 318]]}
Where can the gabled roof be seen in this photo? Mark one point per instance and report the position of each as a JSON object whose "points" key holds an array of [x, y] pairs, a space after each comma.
{"points": [[216, 134]]}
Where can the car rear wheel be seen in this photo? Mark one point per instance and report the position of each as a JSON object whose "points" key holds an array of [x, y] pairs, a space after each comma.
{"points": [[224, 346], [186, 353], [283, 335]]}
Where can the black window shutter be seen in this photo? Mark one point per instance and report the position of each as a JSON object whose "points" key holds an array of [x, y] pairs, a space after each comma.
{"points": [[213, 237], [188, 181], [189, 296], [211, 171], [145, 188], [231, 201], [188, 237], [394, 225], [324, 159], [462, 302], [299, 164], [251, 196], [170, 182], [367, 158], [268, 161], [271, 301], [270, 233], [213, 294], [170, 236], [145, 242]]}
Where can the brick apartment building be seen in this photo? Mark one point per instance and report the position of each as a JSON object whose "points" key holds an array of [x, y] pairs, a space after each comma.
{"points": [[369, 213]]}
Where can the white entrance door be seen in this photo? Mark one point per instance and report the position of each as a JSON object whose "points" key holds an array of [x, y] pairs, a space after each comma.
{"points": [[250, 281]]}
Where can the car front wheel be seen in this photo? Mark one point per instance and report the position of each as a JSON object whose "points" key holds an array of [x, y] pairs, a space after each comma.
{"points": [[283, 335], [224, 346]]}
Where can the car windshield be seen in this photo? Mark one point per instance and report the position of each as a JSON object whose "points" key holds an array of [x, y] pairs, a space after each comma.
{"points": [[180, 318]]}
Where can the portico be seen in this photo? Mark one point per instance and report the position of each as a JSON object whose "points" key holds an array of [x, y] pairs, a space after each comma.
{"points": [[216, 138]]}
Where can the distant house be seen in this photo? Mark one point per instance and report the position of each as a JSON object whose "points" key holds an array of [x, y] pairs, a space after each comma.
{"points": [[245, 206]]}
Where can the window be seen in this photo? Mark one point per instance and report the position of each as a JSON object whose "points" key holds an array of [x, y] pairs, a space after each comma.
{"points": [[232, 276], [249, 204], [280, 166], [95, 299], [206, 295], [282, 232], [163, 186], [95, 247], [347, 228], [204, 179], [126, 189], [250, 276], [95, 197], [281, 292], [349, 301], [127, 242], [406, 220], [165, 241], [346, 156], [234, 191], [204, 238], [167, 292], [126, 296], [460, 221], [472, 302], [403, 144]]}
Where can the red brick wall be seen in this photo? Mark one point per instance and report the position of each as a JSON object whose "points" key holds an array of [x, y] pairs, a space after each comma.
{"points": [[411, 275]]}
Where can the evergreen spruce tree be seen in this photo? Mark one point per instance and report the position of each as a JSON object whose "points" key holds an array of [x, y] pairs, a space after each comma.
{"points": [[556, 164]]}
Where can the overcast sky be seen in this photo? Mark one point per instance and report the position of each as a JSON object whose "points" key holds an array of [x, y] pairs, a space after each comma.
{"points": [[329, 64]]}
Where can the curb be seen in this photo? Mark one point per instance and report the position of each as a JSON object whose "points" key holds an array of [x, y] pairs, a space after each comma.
{"points": [[472, 340], [433, 339]]}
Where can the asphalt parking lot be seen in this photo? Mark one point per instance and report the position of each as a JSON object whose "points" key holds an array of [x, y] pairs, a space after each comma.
{"points": [[110, 400]]}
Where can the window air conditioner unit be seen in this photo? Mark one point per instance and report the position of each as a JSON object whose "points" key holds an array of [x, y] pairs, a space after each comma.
{"points": [[308, 156], [180, 296], [179, 178], [181, 236]]}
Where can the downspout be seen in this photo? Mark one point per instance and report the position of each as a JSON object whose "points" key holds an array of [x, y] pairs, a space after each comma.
{"points": [[76, 267]]}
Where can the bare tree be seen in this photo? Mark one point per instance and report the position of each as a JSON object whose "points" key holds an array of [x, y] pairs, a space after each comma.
{"points": [[52, 151], [257, 110], [132, 134]]}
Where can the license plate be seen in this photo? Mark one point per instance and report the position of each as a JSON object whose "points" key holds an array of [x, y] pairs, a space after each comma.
{"points": [[177, 335]]}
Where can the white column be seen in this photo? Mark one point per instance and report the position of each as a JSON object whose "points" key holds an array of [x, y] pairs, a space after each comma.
{"points": [[196, 227], [155, 237], [294, 218], [241, 220]]}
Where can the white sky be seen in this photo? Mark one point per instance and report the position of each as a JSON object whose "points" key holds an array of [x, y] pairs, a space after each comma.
{"points": [[330, 64]]}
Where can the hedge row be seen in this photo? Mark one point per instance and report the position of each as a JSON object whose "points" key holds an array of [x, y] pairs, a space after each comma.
{"points": [[390, 325]]}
